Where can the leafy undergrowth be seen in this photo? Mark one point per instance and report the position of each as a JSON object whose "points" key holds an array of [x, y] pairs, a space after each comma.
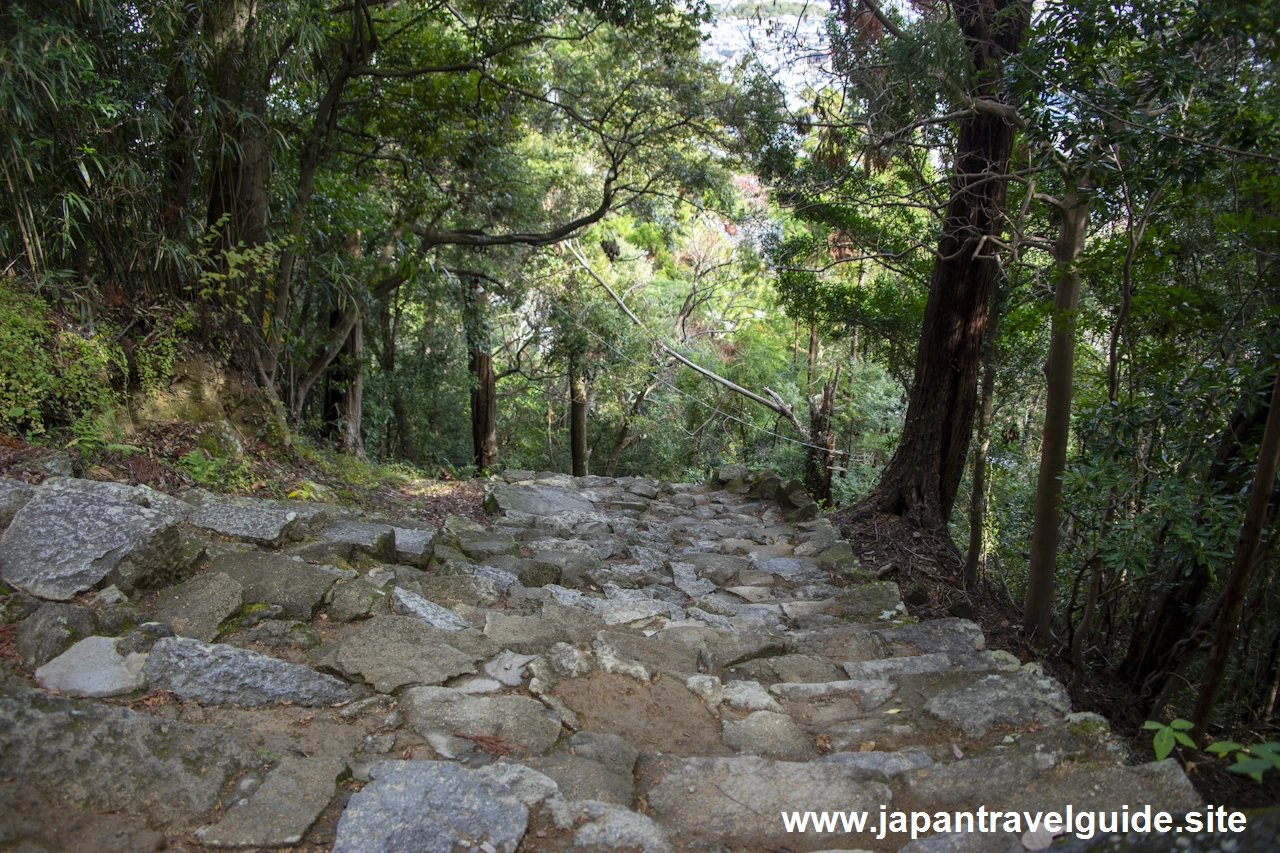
{"points": [[169, 457]]}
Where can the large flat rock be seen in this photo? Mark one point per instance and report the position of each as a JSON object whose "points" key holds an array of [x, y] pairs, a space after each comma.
{"points": [[93, 667], [297, 587], [262, 525], [197, 607], [413, 546], [450, 718], [36, 822], [51, 630], [581, 778], [934, 662], [430, 807], [77, 535], [1002, 699], [14, 495], [282, 809], [406, 603], [537, 500], [376, 540], [390, 652], [1036, 781], [225, 675], [737, 801], [108, 757], [937, 635]]}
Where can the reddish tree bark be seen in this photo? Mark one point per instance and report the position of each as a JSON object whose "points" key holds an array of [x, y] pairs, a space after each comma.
{"points": [[920, 482], [484, 382], [578, 418]]}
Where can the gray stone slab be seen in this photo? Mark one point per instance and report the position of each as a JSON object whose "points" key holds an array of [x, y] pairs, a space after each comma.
{"points": [[282, 809], [936, 662], [610, 750], [93, 667], [406, 603], [430, 807], [297, 587], [390, 652], [1003, 699], [537, 500], [51, 630], [109, 757], [225, 675], [352, 600], [199, 606], [77, 535], [508, 667], [687, 581], [449, 718], [736, 801], [483, 546], [771, 735], [937, 635], [881, 765], [581, 778], [262, 525], [376, 540], [793, 669], [413, 547], [14, 495], [655, 654], [869, 694], [872, 601], [524, 634]]}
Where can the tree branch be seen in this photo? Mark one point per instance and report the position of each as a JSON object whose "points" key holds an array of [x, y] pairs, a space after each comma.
{"points": [[776, 404], [874, 8]]}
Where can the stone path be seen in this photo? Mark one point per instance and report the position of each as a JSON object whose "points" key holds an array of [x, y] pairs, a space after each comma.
{"points": [[611, 665]]}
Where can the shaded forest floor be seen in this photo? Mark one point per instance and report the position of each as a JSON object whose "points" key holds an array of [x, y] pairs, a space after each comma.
{"points": [[928, 568], [154, 457]]}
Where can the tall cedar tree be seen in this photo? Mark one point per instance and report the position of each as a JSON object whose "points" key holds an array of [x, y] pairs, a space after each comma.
{"points": [[920, 482]]}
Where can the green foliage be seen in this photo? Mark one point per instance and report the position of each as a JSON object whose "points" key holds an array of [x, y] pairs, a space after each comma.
{"points": [[1253, 760], [868, 426], [219, 472], [773, 9], [54, 378], [156, 354], [1168, 736]]}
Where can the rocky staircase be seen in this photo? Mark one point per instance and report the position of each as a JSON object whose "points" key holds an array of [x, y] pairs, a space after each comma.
{"points": [[610, 665]]}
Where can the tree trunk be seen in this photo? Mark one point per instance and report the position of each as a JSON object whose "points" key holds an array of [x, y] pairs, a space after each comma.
{"points": [[341, 379], [353, 397], [920, 482], [484, 410], [820, 455], [484, 392], [1242, 567], [577, 418], [397, 424], [977, 501], [355, 52], [238, 194], [1038, 610], [179, 150]]}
